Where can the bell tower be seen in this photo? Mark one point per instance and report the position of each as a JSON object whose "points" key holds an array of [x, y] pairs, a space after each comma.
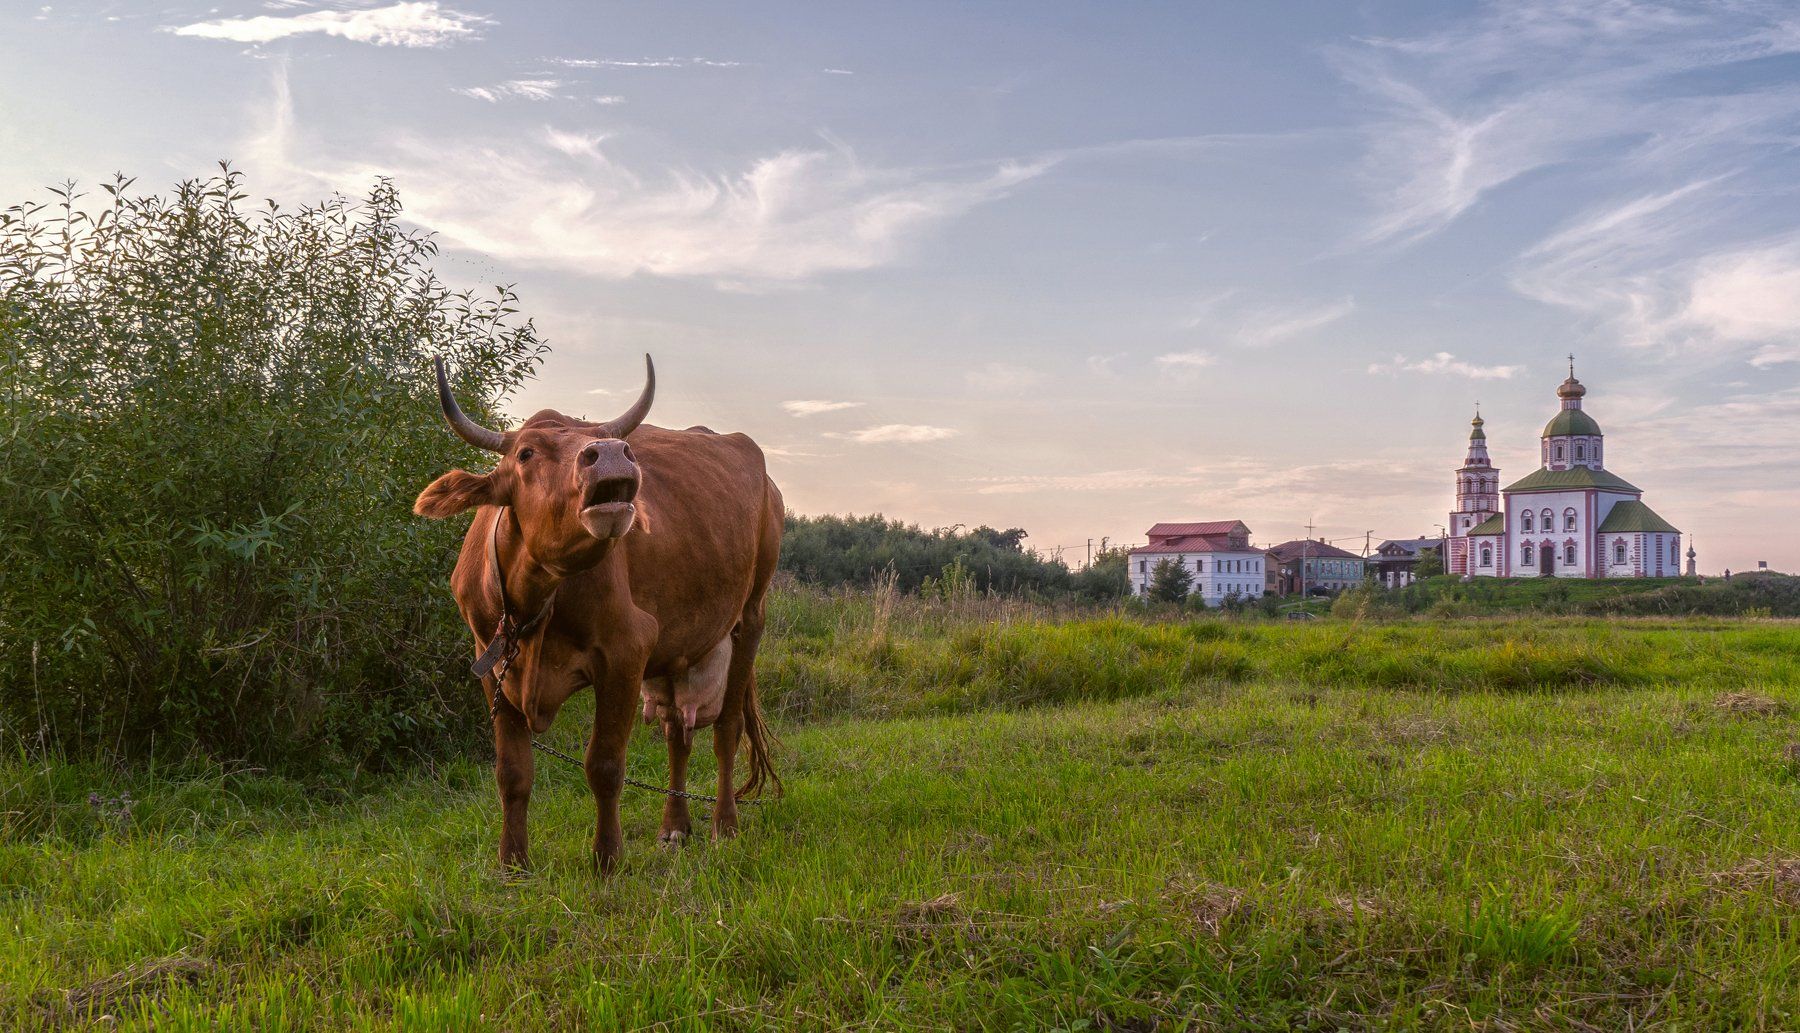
{"points": [[1477, 495]]}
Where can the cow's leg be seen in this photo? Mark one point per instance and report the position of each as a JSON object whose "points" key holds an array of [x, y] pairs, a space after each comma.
{"points": [[514, 771], [730, 727], [615, 706], [676, 825]]}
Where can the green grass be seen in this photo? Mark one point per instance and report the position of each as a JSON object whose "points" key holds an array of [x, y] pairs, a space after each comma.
{"points": [[1254, 835]]}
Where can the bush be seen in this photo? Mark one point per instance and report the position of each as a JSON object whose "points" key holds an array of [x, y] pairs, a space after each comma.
{"points": [[853, 551], [216, 418]]}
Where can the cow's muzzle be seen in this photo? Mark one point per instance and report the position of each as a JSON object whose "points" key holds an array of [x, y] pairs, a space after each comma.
{"points": [[608, 476]]}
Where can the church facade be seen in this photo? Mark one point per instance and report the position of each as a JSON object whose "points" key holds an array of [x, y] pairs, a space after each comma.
{"points": [[1569, 518]]}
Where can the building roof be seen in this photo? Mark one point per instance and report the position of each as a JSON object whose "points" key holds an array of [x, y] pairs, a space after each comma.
{"points": [[1495, 524], [1573, 478], [1207, 527], [1634, 516], [1571, 421], [1310, 549], [1194, 543], [1409, 547]]}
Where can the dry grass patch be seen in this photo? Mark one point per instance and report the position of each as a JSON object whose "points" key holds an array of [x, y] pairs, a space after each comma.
{"points": [[1777, 877], [124, 988], [1750, 703]]}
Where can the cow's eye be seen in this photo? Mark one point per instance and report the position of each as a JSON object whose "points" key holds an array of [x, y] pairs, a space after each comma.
{"points": [[526, 453]]}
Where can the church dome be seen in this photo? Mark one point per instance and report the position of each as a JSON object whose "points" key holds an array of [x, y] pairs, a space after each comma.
{"points": [[1477, 432], [1571, 422], [1571, 388]]}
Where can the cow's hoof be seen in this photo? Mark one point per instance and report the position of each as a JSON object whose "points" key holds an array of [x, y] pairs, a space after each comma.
{"points": [[673, 840], [724, 832]]}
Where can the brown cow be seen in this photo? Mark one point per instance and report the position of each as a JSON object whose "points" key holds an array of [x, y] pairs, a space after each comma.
{"points": [[639, 569]]}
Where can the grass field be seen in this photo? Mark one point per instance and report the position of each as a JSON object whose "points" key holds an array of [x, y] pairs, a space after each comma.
{"points": [[1005, 819]]}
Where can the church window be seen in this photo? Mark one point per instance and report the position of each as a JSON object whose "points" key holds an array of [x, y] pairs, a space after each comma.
{"points": [[1559, 452], [1569, 555], [1525, 557], [1675, 553], [1619, 551], [1580, 452], [1549, 521], [1569, 519], [1487, 555], [1528, 521]]}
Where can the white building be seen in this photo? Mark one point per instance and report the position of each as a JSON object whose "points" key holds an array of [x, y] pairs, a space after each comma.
{"points": [[1570, 518], [1217, 553]]}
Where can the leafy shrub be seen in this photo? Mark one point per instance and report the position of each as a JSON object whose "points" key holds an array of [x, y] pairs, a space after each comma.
{"points": [[215, 418]]}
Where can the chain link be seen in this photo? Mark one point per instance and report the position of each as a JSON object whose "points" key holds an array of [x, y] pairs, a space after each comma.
{"points": [[544, 747]]}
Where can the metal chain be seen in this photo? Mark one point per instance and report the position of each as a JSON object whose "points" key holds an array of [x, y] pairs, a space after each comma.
{"points": [[494, 711]]}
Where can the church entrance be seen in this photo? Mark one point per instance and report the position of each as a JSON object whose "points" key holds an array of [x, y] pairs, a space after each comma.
{"points": [[1547, 560]]}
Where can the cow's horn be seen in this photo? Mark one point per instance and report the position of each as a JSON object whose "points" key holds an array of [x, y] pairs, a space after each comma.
{"points": [[465, 428], [627, 423]]}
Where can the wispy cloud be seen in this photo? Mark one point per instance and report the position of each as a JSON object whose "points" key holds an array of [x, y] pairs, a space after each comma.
{"points": [[1275, 327], [1003, 377], [1187, 360], [896, 433], [521, 89], [804, 407], [1444, 363], [560, 200], [1540, 83], [423, 24], [643, 62], [1137, 479]]}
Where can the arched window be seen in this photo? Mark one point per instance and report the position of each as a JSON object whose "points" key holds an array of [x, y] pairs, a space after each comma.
{"points": [[1675, 553], [1580, 453], [1559, 452], [1526, 559], [1487, 555], [1549, 521], [1619, 550], [1569, 519], [1528, 521], [1569, 555]]}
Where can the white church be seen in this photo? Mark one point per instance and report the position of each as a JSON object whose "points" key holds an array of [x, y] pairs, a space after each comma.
{"points": [[1569, 518]]}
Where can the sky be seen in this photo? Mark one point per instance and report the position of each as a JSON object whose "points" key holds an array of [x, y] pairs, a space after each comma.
{"points": [[1072, 267]]}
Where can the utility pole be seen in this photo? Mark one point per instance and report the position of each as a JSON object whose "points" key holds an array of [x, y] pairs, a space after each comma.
{"points": [[1090, 559], [1305, 548]]}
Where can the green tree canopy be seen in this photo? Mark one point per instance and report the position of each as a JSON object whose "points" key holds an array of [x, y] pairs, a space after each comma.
{"points": [[216, 415]]}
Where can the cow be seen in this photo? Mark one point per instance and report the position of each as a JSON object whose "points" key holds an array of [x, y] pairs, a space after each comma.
{"points": [[625, 557]]}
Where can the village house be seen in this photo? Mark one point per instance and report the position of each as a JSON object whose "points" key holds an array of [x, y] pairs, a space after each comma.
{"points": [[1317, 567], [1217, 553], [1397, 559]]}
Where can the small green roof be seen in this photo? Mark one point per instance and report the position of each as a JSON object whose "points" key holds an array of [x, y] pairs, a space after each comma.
{"points": [[1625, 517], [1575, 477], [1495, 524], [1571, 421]]}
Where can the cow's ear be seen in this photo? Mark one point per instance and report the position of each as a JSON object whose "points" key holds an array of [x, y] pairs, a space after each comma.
{"points": [[454, 492]]}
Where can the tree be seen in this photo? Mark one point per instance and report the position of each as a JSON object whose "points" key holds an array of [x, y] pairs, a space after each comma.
{"points": [[213, 420], [1431, 564], [1170, 581], [1105, 579]]}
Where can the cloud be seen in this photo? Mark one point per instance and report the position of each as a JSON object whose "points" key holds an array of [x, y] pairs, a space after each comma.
{"points": [[1536, 84], [423, 24], [1273, 328], [1003, 377], [1444, 362], [804, 407], [559, 200], [1188, 360], [838, 71], [521, 89], [1103, 480], [896, 433], [643, 62]]}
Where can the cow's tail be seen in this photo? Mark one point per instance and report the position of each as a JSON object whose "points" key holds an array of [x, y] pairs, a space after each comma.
{"points": [[762, 741]]}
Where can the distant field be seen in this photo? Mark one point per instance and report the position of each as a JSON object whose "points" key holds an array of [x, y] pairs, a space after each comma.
{"points": [[1006, 818]]}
